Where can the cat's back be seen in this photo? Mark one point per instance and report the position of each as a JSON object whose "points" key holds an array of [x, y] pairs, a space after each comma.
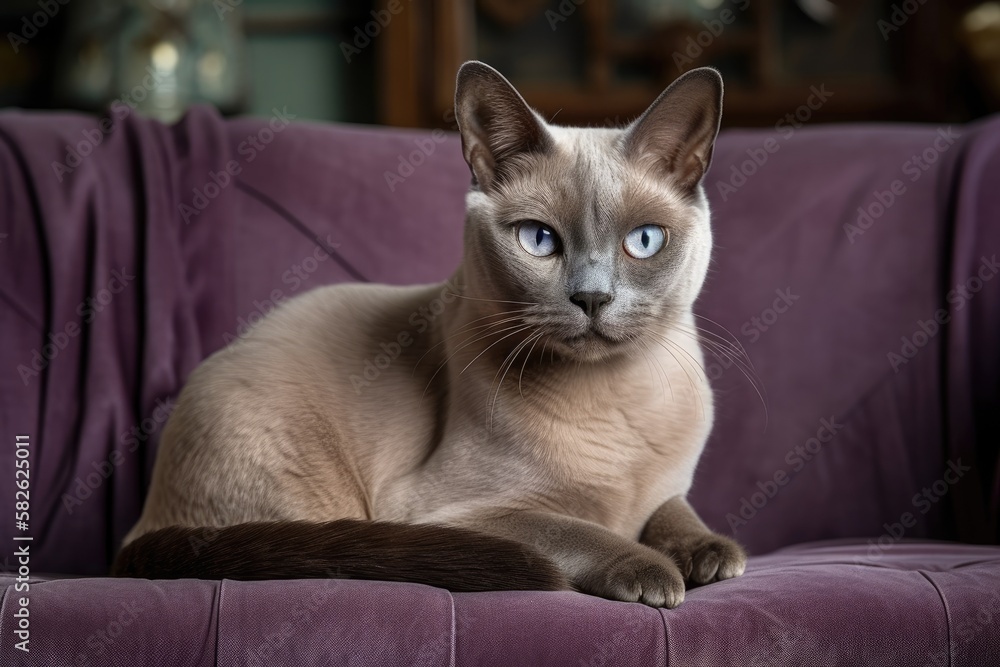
{"points": [[328, 328], [319, 353]]}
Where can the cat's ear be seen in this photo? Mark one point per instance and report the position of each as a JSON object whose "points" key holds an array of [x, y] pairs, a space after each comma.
{"points": [[495, 122], [677, 132]]}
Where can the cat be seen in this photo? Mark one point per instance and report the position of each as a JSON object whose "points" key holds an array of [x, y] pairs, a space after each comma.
{"points": [[541, 434]]}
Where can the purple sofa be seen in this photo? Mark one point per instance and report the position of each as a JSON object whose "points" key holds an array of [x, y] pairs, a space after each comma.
{"points": [[857, 266]]}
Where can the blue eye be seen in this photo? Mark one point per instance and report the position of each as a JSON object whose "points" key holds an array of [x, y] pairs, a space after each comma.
{"points": [[538, 239], [645, 241]]}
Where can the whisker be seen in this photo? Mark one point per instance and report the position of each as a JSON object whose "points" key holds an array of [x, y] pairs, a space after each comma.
{"points": [[512, 356], [473, 298], [735, 339], [516, 331], [520, 375], [720, 340], [464, 345], [692, 362], [664, 342], [484, 317], [758, 390], [638, 344], [718, 349], [661, 372], [467, 328], [721, 352]]}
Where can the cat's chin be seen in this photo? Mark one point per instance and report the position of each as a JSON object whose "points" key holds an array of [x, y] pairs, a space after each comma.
{"points": [[591, 345]]}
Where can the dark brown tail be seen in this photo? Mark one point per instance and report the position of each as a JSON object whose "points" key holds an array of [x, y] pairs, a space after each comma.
{"points": [[448, 557]]}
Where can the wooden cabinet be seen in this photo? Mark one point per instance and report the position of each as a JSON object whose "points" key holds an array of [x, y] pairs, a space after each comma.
{"points": [[601, 62]]}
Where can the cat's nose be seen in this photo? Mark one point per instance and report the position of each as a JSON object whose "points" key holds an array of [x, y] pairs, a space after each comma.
{"points": [[591, 302]]}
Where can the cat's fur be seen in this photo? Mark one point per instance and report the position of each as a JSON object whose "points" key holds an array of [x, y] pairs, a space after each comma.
{"points": [[571, 460]]}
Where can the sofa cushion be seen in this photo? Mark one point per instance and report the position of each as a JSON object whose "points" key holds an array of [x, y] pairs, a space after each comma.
{"points": [[826, 603]]}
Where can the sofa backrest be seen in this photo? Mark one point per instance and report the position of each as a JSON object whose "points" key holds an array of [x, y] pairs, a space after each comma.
{"points": [[134, 250]]}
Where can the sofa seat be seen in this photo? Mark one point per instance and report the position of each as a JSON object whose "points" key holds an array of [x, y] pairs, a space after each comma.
{"points": [[823, 603]]}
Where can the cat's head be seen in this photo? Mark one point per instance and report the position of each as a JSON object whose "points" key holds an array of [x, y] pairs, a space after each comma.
{"points": [[604, 232]]}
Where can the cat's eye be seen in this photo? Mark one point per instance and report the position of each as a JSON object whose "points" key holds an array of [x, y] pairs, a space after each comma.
{"points": [[645, 241], [537, 239]]}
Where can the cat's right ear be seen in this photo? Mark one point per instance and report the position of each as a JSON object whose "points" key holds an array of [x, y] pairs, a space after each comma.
{"points": [[676, 134], [495, 122]]}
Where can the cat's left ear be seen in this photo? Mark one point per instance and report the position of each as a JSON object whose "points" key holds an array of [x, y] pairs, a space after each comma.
{"points": [[495, 122], [678, 130]]}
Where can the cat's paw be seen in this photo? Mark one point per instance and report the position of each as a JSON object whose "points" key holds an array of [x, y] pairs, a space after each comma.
{"points": [[641, 576], [706, 557]]}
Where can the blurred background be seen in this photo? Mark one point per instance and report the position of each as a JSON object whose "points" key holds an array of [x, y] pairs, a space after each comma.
{"points": [[591, 62]]}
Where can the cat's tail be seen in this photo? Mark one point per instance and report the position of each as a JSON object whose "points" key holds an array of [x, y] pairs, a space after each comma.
{"points": [[457, 559]]}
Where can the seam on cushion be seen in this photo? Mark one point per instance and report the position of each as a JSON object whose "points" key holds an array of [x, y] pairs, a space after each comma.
{"points": [[454, 636], [770, 568], [666, 638], [947, 613], [218, 619]]}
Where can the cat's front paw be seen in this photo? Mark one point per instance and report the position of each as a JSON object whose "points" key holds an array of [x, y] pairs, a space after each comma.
{"points": [[706, 557], [642, 576]]}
